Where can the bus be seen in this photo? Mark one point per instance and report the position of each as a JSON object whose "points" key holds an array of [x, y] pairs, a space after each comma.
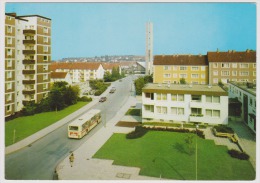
{"points": [[81, 126]]}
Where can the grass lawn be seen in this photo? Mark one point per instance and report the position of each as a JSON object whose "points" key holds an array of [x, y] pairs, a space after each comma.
{"points": [[28, 125], [166, 153]]}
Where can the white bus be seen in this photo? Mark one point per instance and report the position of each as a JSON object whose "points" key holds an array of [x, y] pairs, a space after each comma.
{"points": [[81, 126]]}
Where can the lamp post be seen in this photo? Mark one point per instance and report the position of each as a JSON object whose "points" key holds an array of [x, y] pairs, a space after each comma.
{"points": [[197, 126]]}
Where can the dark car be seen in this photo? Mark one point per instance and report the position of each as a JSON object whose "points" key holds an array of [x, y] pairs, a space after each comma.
{"points": [[102, 99]]}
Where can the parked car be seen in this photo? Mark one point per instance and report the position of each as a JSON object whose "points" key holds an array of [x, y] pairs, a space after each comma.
{"points": [[102, 99]]}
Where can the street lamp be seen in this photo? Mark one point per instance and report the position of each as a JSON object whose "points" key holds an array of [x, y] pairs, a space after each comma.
{"points": [[197, 126]]}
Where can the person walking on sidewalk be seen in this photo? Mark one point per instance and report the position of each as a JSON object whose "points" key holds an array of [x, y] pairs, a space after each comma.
{"points": [[71, 159]]}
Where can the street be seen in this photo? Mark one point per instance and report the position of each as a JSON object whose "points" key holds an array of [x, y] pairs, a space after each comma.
{"points": [[38, 160]]}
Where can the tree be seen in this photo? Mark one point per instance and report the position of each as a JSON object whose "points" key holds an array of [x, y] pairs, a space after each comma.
{"points": [[56, 98], [71, 95], [107, 76], [189, 141], [182, 81]]}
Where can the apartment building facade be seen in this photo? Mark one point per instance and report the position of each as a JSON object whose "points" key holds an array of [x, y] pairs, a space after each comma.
{"points": [[232, 66], [184, 103], [172, 68], [206, 69], [28, 60], [80, 71], [246, 94]]}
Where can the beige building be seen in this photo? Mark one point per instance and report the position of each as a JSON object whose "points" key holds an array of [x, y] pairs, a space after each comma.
{"points": [[172, 68], [232, 66], [27, 59]]}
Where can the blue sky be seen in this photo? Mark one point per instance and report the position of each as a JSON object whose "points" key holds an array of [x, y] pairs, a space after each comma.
{"points": [[96, 29]]}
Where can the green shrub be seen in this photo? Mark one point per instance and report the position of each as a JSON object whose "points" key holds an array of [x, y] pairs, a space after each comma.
{"points": [[237, 154], [134, 112], [224, 129], [139, 132], [85, 99]]}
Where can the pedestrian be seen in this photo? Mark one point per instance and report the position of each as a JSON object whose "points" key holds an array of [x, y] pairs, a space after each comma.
{"points": [[71, 159]]}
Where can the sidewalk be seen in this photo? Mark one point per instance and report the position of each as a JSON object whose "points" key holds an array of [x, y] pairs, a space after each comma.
{"points": [[87, 168], [29, 140]]}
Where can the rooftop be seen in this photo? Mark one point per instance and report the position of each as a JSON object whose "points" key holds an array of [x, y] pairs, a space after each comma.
{"points": [[185, 89], [244, 86]]}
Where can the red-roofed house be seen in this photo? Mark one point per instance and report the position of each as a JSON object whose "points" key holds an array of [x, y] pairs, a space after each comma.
{"points": [[61, 76], [80, 71]]}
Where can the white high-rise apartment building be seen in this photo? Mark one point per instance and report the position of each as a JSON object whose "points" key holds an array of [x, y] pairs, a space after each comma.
{"points": [[149, 49]]}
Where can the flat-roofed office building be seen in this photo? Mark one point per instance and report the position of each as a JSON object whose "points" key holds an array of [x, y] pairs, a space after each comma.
{"points": [[184, 103]]}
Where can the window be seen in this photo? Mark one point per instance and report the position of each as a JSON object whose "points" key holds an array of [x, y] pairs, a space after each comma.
{"points": [[45, 77], [9, 74], [183, 68], [194, 68], [167, 75], [215, 65], [209, 99], [45, 58], [216, 113], [244, 65], [216, 99], [183, 75], [250, 101], [202, 68], [225, 65], [194, 75], [224, 73], [8, 108], [9, 52], [161, 96], [45, 86], [9, 29], [196, 98], [175, 68], [234, 73], [9, 40], [196, 110], [149, 108], [174, 75], [234, 65], [147, 95], [167, 67], [254, 65], [9, 63], [45, 68], [244, 73], [212, 113], [9, 86], [215, 80], [177, 111], [180, 97], [202, 75], [9, 97], [254, 73], [215, 73], [45, 39], [45, 48], [45, 30], [174, 97], [161, 110]]}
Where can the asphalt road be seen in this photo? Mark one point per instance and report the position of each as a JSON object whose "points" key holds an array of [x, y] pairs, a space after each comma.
{"points": [[38, 161]]}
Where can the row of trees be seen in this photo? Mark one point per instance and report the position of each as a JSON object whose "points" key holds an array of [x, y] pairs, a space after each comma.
{"points": [[140, 82], [115, 75], [99, 86], [61, 95]]}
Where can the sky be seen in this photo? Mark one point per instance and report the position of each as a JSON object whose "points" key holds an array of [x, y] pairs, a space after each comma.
{"points": [[98, 29]]}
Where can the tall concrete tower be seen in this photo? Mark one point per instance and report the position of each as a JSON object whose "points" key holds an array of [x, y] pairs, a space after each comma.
{"points": [[149, 49]]}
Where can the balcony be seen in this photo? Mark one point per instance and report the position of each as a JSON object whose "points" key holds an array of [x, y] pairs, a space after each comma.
{"points": [[28, 61], [197, 118], [28, 71], [28, 52], [29, 92], [29, 41], [31, 81], [29, 31]]}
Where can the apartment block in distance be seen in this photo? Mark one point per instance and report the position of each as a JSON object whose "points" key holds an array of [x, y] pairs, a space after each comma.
{"points": [[172, 68], [184, 103], [246, 94], [232, 66], [27, 60]]}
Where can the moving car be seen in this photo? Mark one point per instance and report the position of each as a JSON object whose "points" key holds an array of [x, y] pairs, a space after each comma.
{"points": [[102, 99], [113, 89]]}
